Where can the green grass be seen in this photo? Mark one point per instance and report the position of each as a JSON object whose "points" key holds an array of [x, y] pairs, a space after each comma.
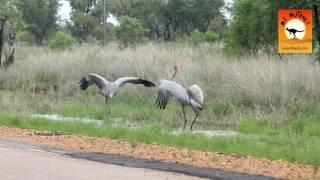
{"points": [[296, 139], [296, 142], [275, 105]]}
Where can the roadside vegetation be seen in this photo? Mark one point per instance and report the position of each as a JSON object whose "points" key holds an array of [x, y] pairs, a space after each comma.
{"points": [[273, 104], [228, 49], [286, 143]]}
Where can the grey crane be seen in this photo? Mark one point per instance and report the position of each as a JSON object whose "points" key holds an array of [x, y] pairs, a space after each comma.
{"points": [[110, 89], [191, 96]]}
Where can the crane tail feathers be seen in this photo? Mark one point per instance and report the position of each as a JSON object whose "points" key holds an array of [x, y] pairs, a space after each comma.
{"points": [[157, 100], [160, 101], [162, 105]]}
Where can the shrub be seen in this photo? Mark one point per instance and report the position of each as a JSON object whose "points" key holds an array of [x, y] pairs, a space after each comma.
{"points": [[61, 40], [130, 32], [196, 37], [92, 40], [210, 36], [25, 36]]}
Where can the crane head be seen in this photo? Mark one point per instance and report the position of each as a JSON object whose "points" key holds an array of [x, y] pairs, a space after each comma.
{"points": [[175, 68]]}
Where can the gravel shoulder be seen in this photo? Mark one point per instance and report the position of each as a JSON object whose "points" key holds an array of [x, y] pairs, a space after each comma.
{"points": [[232, 163]]}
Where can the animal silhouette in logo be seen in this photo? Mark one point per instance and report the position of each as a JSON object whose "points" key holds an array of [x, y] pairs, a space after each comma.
{"points": [[293, 31]]}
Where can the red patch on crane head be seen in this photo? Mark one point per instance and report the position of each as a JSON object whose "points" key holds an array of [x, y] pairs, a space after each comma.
{"points": [[175, 67]]}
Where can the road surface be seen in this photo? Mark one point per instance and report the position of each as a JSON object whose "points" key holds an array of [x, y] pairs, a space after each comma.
{"points": [[24, 164]]}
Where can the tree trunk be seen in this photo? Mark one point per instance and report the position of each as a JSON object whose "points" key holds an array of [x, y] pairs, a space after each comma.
{"points": [[9, 60], [8, 52], [2, 23], [316, 17], [167, 33]]}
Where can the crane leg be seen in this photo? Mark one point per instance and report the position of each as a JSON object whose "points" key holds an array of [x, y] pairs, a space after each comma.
{"points": [[184, 115], [108, 106], [194, 120]]}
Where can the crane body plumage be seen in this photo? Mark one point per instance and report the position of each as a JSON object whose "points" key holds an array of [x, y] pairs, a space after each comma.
{"points": [[191, 96]]}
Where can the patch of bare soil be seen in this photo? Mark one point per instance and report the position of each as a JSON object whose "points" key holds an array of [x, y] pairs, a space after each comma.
{"points": [[243, 164]]}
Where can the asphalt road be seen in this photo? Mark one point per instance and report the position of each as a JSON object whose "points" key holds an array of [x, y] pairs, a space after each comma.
{"points": [[24, 164]]}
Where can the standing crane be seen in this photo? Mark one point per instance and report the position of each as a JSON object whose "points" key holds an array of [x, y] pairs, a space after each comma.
{"points": [[110, 89], [191, 96]]}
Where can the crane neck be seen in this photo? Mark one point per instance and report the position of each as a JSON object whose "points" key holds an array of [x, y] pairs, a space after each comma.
{"points": [[174, 75]]}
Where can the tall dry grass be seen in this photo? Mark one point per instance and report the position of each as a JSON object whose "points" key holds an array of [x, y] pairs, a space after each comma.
{"points": [[250, 81]]}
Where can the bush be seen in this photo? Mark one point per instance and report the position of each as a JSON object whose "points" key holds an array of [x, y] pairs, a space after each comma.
{"points": [[130, 32], [196, 37], [91, 40], [61, 40], [25, 36], [110, 33], [210, 36]]}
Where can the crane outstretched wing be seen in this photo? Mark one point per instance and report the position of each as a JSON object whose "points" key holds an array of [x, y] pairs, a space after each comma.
{"points": [[133, 80], [91, 78]]}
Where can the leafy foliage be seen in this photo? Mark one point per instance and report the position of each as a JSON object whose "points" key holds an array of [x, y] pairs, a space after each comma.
{"points": [[253, 28], [40, 17], [61, 41], [130, 32], [85, 17], [197, 37], [170, 19], [210, 36], [26, 36], [98, 33]]}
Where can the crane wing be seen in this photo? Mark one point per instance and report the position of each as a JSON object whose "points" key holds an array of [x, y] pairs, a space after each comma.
{"points": [[195, 93], [168, 89], [163, 97], [134, 80], [91, 78]]}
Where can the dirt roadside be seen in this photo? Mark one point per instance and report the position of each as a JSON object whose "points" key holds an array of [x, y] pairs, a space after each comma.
{"points": [[251, 165]]}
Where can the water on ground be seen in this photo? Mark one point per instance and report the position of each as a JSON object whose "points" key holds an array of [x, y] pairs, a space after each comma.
{"points": [[129, 125]]}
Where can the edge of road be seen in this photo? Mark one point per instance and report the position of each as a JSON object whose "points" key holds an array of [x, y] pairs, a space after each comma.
{"points": [[137, 163]]}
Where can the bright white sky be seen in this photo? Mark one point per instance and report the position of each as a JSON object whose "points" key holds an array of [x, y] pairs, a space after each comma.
{"points": [[64, 10]]}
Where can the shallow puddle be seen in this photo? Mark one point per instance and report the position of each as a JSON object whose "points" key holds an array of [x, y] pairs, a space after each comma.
{"points": [[213, 133], [57, 117], [119, 122]]}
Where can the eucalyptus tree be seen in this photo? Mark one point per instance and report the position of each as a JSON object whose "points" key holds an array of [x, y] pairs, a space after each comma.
{"points": [[40, 17]]}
